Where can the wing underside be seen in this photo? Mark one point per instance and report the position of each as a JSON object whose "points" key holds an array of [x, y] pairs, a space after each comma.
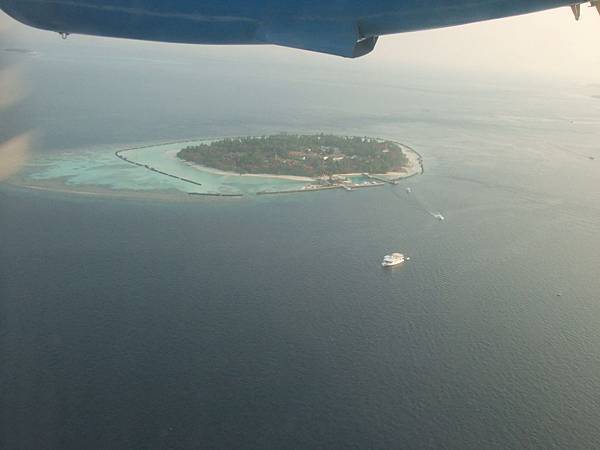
{"points": [[348, 28]]}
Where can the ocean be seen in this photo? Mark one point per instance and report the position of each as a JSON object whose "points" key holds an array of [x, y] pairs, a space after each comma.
{"points": [[268, 322]]}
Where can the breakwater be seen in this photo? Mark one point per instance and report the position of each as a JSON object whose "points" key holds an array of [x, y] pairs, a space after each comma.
{"points": [[119, 154], [215, 194]]}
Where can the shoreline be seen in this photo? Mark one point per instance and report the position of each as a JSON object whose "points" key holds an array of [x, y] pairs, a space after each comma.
{"points": [[173, 154], [415, 167], [60, 185]]}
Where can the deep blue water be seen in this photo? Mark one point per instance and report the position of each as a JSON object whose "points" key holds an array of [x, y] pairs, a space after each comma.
{"points": [[268, 323]]}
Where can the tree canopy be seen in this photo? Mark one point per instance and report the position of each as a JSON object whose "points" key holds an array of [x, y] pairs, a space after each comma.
{"points": [[303, 155]]}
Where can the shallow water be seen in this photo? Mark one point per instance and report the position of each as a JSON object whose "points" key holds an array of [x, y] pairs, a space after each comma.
{"points": [[100, 167]]}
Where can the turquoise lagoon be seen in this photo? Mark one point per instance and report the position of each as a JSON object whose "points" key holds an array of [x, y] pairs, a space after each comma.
{"points": [[102, 168]]}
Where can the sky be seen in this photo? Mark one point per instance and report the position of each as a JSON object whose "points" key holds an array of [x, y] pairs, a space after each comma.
{"points": [[548, 43], [545, 45]]}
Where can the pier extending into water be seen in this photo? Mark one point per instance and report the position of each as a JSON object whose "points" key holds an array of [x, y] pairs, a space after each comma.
{"points": [[291, 191], [383, 180], [347, 187]]}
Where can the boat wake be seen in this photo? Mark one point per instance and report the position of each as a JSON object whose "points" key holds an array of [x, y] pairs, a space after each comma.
{"points": [[414, 198]]}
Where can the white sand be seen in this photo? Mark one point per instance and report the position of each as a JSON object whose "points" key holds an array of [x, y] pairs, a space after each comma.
{"points": [[414, 167]]}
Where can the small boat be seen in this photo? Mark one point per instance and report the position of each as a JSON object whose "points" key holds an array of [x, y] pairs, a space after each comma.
{"points": [[393, 260], [438, 216], [408, 190]]}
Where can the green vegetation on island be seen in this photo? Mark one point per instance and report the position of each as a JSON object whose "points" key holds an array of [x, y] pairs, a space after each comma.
{"points": [[301, 155]]}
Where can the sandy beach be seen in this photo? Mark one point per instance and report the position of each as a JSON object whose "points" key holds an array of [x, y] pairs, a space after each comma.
{"points": [[414, 167], [61, 184], [173, 154]]}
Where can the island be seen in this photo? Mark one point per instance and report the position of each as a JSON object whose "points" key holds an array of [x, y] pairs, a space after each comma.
{"points": [[231, 167], [312, 156]]}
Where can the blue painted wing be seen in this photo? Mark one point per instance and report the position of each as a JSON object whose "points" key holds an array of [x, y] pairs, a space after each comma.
{"points": [[341, 27]]}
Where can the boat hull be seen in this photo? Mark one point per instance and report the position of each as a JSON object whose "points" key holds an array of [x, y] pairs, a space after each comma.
{"points": [[384, 264]]}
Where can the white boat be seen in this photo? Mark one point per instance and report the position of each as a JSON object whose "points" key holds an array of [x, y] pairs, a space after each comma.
{"points": [[393, 260], [438, 216]]}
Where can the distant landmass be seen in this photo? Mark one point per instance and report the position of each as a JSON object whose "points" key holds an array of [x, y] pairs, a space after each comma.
{"points": [[299, 155], [20, 50]]}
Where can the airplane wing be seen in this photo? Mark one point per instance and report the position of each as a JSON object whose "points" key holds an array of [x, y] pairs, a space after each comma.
{"points": [[348, 28]]}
